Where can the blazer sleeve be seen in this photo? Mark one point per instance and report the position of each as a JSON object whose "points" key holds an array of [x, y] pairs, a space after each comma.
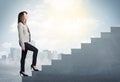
{"points": [[21, 35]]}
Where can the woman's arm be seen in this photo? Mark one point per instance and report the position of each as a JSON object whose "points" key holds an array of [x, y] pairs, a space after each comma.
{"points": [[21, 35]]}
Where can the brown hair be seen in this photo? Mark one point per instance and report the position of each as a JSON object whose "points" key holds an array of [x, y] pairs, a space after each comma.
{"points": [[20, 17]]}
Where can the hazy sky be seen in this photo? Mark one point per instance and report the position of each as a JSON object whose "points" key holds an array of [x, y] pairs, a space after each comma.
{"points": [[57, 24]]}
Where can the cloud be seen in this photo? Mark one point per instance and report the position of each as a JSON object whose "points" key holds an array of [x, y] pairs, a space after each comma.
{"points": [[14, 27], [60, 24], [6, 45]]}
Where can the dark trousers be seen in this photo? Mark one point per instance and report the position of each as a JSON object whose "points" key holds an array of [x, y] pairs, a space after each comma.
{"points": [[24, 53]]}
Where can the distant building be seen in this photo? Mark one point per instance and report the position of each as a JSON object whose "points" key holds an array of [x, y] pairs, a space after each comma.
{"points": [[55, 55], [14, 54], [48, 54], [3, 58]]}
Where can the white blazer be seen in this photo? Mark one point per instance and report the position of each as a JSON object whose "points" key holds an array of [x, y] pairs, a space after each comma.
{"points": [[24, 34]]}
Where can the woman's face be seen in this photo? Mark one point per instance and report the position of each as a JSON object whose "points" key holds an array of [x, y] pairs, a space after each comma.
{"points": [[25, 17]]}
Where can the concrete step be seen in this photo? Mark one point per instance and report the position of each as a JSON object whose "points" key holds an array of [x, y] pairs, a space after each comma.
{"points": [[27, 79], [65, 57], [63, 66], [106, 35], [75, 51], [115, 30], [85, 45], [95, 40]]}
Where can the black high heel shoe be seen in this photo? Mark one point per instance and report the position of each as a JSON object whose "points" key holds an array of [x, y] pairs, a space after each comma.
{"points": [[32, 67], [23, 74]]}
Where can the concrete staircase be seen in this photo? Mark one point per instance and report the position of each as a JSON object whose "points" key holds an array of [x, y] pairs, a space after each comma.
{"points": [[98, 61]]}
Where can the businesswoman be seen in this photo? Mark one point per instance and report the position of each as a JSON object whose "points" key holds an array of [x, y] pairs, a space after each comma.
{"points": [[24, 42]]}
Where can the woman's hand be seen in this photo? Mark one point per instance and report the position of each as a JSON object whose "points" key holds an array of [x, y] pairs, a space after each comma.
{"points": [[23, 49]]}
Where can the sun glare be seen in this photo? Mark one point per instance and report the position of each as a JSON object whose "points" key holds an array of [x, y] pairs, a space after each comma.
{"points": [[63, 24], [67, 17]]}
